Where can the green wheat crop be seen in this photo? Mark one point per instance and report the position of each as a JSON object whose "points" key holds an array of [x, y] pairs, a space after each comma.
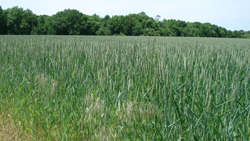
{"points": [[126, 88]]}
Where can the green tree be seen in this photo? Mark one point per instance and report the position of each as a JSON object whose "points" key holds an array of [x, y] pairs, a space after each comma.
{"points": [[67, 22], [235, 34], [129, 23], [193, 29], [105, 24], [20, 21], [245, 34], [140, 24], [103, 31], [106, 21], [40, 29], [137, 29], [205, 30], [173, 27], [133, 25], [74, 21], [150, 32], [90, 24], [229, 34], [14, 20], [29, 21], [3, 22], [117, 24], [223, 32], [60, 23]]}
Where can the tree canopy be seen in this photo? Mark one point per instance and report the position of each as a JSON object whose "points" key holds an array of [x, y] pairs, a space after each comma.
{"points": [[17, 21]]}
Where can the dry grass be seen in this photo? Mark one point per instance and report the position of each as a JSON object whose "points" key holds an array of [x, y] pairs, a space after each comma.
{"points": [[131, 113], [134, 110], [10, 132]]}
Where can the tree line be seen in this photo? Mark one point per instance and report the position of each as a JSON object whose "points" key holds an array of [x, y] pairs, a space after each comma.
{"points": [[17, 21]]}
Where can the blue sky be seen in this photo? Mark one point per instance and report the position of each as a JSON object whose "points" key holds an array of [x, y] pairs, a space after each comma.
{"points": [[231, 14]]}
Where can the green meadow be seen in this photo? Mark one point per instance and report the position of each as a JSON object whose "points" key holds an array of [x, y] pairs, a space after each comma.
{"points": [[125, 88]]}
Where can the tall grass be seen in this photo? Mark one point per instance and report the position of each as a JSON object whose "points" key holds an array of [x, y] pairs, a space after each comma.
{"points": [[126, 88]]}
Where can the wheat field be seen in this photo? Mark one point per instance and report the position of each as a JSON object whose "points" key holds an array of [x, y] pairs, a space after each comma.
{"points": [[125, 88]]}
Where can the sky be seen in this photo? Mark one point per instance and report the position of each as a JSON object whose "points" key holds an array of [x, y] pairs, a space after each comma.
{"points": [[231, 14]]}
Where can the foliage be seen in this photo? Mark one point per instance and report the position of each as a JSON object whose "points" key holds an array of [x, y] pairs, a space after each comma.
{"points": [[72, 22], [19, 21], [245, 34], [3, 22]]}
